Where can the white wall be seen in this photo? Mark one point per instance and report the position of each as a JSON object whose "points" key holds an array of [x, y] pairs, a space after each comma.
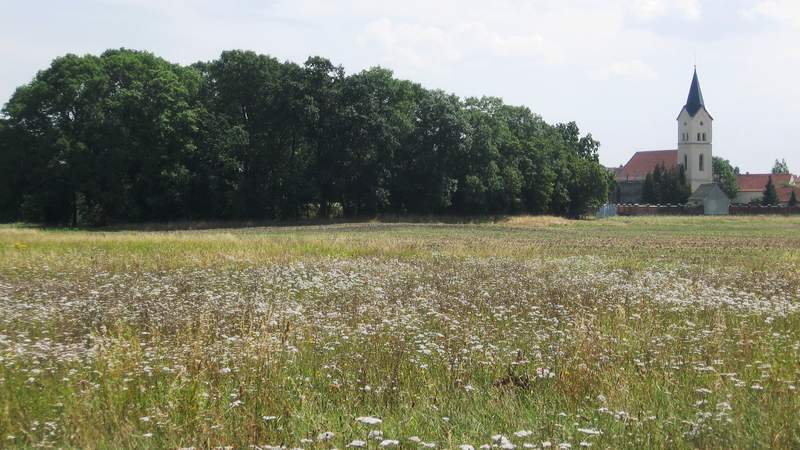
{"points": [[690, 147], [746, 197], [690, 126]]}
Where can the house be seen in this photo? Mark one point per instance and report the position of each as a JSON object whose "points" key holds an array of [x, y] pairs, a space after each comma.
{"points": [[712, 198], [642, 163], [751, 186]]}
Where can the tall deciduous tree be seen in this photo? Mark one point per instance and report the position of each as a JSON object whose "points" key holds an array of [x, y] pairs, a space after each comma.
{"points": [[726, 175], [127, 136]]}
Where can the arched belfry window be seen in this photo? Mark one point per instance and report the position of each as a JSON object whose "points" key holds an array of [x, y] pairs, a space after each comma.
{"points": [[698, 136], [704, 137], [702, 163], [686, 162]]}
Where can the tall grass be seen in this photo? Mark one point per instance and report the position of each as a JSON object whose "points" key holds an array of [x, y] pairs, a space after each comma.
{"points": [[527, 333]]}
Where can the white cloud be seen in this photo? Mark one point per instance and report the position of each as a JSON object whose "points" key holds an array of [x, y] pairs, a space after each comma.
{"points": [[652, 9], [689, 8], [631, 70], [649, 9], [782, 11], [411, 44], [532, 45], [429, 46]]}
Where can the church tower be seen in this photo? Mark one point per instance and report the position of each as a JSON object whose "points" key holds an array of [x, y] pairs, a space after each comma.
{"points": [[695, 137]]}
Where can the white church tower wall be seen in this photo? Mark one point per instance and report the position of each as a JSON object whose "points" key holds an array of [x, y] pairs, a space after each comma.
{"points": [[695, 137]]}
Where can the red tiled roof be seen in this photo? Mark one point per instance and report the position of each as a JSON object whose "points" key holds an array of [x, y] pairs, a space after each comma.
{"points": [[785, 183], [642, 163], [753, 182]]}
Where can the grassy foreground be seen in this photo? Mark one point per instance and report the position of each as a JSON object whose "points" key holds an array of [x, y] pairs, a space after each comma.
{"points": [[526, 333]]}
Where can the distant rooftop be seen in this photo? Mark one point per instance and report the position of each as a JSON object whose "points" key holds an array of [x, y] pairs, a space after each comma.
{"points": [[784, 183], [643, 162]]}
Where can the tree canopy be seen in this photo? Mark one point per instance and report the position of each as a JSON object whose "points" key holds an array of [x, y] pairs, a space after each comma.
{"points": [[725, 173], [780, 167], [770, 196], [127, 136]]}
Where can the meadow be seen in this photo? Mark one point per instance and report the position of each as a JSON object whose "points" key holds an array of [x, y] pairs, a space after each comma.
{"points": [[526, 332]]}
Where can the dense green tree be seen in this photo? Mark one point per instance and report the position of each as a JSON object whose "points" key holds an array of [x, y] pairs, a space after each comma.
{"points": [[770, 196], [487, 172], [676, 189], [10, 172], [725, 174], [433, 153], [587, 187], [377, 115], [649, 193], [793, 198], [126, 136], [150, 130], [56, 120], [666, 186], [107, 138], [258, 106], [321, 89]]}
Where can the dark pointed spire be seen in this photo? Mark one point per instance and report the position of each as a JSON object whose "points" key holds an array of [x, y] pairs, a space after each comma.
{"points": [[695, 100]]}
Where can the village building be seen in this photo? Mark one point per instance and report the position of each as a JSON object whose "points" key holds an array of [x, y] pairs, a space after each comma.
{"points": [[751, 186], [712, 198], [695, 155]]}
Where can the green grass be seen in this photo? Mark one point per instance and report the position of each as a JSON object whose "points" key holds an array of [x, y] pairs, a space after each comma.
{"points": [[667, 332]]}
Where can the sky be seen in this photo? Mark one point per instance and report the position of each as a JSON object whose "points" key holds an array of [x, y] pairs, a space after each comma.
{"points": [[621, 69]]}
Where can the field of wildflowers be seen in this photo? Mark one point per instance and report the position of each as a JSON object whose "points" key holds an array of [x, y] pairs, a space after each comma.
{"points": [[524, 333]]}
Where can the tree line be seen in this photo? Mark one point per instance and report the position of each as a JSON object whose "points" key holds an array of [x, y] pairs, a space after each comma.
{"points": [[669, 186], [129, 137], [666, 186]]}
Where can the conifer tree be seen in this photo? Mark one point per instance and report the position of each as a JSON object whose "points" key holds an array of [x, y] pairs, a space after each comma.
{"points": [[770, 194], [666, 186], [780, 167], [649, 190]]}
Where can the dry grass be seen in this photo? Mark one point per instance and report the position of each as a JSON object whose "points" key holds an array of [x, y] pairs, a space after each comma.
{"points": [[535, 221]]}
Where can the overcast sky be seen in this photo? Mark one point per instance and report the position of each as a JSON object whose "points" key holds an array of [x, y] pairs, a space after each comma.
{"points": [[620, 68]]}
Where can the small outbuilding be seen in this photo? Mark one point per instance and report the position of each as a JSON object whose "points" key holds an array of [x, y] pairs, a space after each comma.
{"points": [[714, 200]]}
